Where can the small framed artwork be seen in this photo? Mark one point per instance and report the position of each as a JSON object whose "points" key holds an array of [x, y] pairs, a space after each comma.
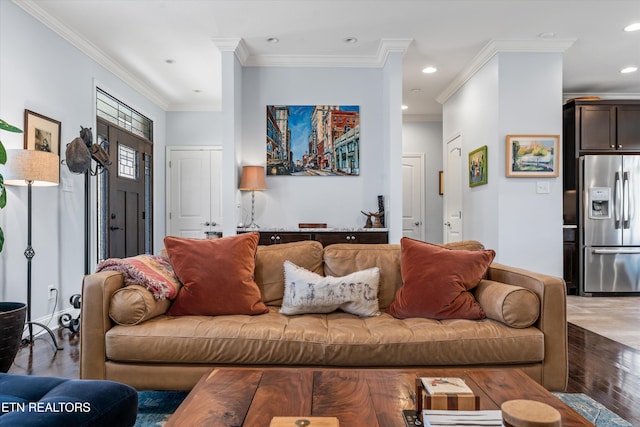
{"points": [[533, 156], [441, 183], [478, 167], [41, 133]]}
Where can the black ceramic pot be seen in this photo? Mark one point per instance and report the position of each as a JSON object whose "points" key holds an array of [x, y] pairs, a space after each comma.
{"points": [[12, 316]]}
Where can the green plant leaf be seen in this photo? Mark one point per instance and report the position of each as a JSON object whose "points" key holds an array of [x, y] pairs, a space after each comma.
{"points": [[6, 126], [3, 154], [1, 239]]}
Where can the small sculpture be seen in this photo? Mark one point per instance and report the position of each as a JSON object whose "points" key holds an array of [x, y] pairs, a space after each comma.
{"points": [[368, 224], [376, 222]]}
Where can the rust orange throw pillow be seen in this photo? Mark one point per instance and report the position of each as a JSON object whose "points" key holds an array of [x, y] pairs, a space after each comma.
{"points": [[217, 275], [436, 281]]}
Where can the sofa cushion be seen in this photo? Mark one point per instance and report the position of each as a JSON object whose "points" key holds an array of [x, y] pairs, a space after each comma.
{"points": [[308, 292], [217, 275], [436, 281], [270, 259], [344, 258], [514, 306], [333, 339], [134, 304]]}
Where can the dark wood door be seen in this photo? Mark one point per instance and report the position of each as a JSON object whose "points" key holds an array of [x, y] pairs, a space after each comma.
{"points": [[597, 128], [628, 127], [127, 226]]}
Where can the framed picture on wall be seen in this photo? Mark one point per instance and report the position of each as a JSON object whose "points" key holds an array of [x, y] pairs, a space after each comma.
{"points": [[41, 133], [313, 140], [478, 167], [533, 156]]}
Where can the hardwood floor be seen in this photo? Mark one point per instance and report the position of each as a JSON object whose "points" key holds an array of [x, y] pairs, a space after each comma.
{"points": [[606, 370]]}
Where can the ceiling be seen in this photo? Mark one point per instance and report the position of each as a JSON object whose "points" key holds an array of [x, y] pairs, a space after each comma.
{"points": [[166, 49]]}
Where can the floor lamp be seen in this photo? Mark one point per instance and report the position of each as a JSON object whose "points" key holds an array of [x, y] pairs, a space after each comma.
{"points": [[252, 179], [40, 169]]}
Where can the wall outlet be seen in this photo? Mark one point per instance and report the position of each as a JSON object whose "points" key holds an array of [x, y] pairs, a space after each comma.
{"points": [[51, 291]]}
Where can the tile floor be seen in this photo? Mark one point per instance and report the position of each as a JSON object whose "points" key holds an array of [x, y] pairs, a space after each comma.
{"points": [[617, 318]]}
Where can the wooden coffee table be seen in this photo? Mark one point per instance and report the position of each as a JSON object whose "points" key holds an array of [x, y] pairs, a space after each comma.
{"points": [[357, 397]]}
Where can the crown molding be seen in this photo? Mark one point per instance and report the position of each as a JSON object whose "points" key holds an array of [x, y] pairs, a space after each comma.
{"points": [[377, 60], [233, 44], [92, 51], [496, 46]]}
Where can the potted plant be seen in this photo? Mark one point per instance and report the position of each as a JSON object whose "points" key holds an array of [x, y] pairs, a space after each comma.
{"points": [[12, 314]]}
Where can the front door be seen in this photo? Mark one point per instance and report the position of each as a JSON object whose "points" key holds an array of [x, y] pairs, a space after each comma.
{"points": [[127, 225]]}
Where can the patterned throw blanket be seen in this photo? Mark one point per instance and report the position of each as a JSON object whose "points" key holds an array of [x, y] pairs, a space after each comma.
{"points": [[150, 271]]}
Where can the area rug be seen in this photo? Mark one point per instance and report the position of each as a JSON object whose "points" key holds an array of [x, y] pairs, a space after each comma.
{"points": [[592, 410], [155, 408]]}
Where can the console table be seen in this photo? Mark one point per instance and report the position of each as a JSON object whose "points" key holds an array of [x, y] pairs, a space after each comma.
{"points": [[326, 236]]}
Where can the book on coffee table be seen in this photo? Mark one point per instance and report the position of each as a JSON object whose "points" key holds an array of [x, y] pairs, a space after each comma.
{"points": [[462, 418], [445, 385]]}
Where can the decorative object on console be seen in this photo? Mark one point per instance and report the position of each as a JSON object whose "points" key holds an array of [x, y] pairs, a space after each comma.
{"points": [[41, 133], [369, 223], [436, 281], [533, 156], [32, 168], [252, 180], [377, 223], [381, 209], [313, 140], [217, 275]]}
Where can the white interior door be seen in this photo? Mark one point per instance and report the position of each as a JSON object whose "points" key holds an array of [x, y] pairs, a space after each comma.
{"points": [[194, 191], [413, 196], [453, 191]]}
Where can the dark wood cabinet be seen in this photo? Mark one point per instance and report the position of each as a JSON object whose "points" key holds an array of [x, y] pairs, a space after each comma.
{"points": [[369, 237], [570, 260], [628, 127], [324, 237], [597, 127]]}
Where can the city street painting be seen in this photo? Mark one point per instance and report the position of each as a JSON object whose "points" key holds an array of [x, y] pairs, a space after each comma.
{"points": [[313, 140], [530, 156]]}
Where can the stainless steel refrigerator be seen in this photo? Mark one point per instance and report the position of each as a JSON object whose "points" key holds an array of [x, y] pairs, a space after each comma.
{"points": [[611, 223]]}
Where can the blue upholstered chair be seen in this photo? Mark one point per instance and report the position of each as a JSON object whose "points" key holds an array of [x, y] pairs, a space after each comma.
{"points": [[48, 401]]}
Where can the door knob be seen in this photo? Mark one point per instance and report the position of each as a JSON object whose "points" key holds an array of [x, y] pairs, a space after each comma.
{"points": [[113, 228], [448, 224], [417, 223]]}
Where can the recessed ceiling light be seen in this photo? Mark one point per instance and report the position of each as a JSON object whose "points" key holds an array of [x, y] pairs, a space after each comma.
{"points": [[416, 90], [633, 27], [350, 40], [547, 35], [405, 107], [170, 61], [628, 70], [429, 70], [197, 90], [273, 40]]}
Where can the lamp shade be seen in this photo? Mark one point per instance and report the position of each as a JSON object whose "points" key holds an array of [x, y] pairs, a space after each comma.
{"points": [[252, 178], [41, 168]]}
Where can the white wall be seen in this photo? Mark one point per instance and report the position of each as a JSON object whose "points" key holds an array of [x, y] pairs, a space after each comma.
{"points": [[334, 200], [426, 138], [514, 93], [41, 72], [194, 128]]}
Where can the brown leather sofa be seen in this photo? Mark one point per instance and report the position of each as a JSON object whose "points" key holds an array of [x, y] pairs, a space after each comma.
{"points": [[172, 353]]}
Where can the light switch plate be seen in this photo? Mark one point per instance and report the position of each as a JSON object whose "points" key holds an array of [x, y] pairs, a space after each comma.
{"points": [[542, 187]]}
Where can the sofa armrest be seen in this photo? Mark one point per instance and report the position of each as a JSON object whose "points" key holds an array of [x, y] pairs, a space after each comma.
{"points": [[97, 290], [552, 322]]}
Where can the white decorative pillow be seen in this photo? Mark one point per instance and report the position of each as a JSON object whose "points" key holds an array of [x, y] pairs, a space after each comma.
{"points": [[308, 292]]}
